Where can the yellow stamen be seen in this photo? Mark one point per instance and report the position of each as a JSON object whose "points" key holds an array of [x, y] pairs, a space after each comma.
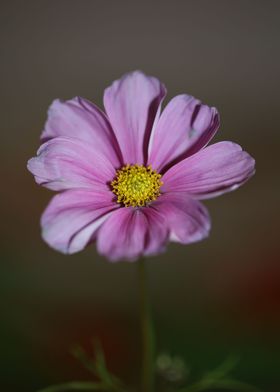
{"points": [[136, 185]]}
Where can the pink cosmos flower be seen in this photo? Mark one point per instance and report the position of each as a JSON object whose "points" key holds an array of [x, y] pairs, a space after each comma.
{"points": [[131, 178]]}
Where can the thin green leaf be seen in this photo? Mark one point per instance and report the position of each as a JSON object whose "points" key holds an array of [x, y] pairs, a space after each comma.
{"points": [[201, 385], [76, 386], [229, 384], [100, 362], [224, 369], [79, 353], [101, 368], [235, 385]]}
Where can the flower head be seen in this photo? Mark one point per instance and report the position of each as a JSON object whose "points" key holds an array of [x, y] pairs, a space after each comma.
{"points": [[131, 178]]}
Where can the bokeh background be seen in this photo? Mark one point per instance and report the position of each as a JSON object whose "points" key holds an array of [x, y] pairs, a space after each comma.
{"points": [[211, 299]]}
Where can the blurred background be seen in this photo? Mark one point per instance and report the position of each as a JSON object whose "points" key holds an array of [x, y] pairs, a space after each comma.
{"points": [[211, 299]]}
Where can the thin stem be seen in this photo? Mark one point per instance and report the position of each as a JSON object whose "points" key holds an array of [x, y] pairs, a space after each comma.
{"points": [[148, 338]]}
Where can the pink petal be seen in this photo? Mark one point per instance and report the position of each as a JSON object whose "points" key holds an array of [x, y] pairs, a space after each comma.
{"points": [[219, 168], [184, 127], [130, 233], [188, 220], [81, 119], [65, 163], [132, 104], [72, 217]]}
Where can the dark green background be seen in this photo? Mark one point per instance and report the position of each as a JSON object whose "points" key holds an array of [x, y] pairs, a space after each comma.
{"points": [[210, 299]]}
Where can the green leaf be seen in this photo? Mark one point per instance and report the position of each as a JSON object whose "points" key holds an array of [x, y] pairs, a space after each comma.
{"points": [[235, 385], [97, 366], [222, 370], [79, 353], [101, 368], [76, 386], [212, 384]]}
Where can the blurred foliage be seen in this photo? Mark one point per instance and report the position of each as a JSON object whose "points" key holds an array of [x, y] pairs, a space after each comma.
{"points": [[172, 375]]}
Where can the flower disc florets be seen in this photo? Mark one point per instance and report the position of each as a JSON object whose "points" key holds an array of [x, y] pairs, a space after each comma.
{"points": [[136, 185]]}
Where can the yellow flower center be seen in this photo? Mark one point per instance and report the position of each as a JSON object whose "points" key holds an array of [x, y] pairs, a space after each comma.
{"points": [[136, 185]]}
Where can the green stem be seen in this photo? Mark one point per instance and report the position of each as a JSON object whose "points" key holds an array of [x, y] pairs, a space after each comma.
{"points": [[148, 339]]}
